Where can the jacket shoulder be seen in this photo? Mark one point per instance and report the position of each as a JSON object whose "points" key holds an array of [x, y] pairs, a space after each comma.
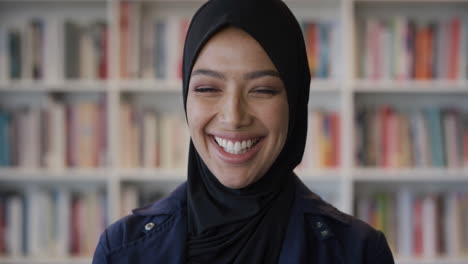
{"points": [[133, 228]]}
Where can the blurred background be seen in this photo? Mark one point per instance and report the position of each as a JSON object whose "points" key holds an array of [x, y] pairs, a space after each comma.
{"points": [[92, 122]]}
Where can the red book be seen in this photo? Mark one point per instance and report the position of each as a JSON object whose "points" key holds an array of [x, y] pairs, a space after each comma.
{"points": [[103, 63], [335, 138], [418, 227], [455, 26], [124, 21], [70, 128]]}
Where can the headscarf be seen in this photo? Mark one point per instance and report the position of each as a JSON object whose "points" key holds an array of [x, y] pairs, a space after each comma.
{"points": [[247, 225]]}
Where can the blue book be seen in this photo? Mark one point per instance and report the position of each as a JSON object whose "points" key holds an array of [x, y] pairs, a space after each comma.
{"points": [[4, 139], [434, 124], [324, 30]]}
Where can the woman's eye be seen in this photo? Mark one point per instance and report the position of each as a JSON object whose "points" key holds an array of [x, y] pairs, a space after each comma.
{"points": [[206, 90], [266, 91]]}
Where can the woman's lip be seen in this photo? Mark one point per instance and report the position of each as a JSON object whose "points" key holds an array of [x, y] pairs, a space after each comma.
{"points": [[236, 158]]}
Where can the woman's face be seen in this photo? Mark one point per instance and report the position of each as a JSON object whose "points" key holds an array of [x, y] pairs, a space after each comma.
{"points": [[237, 108]]}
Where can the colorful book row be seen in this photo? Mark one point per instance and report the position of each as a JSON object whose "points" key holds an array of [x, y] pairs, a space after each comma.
{"points": [[151, 139], [322, 43], [55, 136], [392, 138], [47, 49], [150, 47], [323, 141], [419, 224], [51, 223], [402, 48]]}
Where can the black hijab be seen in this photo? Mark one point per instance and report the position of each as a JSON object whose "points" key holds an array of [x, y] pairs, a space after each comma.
{"points": [[248, 225]]}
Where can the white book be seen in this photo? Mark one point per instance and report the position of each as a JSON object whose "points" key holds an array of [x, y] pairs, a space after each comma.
{"points": [[429, 231], [53, 50], [14, 231], [29, 146], [55, 157], [34, 223], [63, 220], [150, 141], [405, 221], [88, 55], [452, 224]]}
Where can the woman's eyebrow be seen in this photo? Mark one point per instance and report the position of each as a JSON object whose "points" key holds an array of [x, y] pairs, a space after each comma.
{"points": [[247, 76], [210, 73], [258, 74]]}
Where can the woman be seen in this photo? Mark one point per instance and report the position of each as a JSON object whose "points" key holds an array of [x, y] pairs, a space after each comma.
{"points": [[246, 88]]}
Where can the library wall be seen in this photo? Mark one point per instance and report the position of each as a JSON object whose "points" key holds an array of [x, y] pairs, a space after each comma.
{"points": [[92, 122]]}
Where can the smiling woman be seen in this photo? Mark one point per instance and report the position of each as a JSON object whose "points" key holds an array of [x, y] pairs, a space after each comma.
{"points": [[237, 108], [245, 91]]}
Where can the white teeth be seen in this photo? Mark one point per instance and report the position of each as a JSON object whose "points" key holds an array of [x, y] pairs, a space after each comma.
{"points": [[237, 147]]}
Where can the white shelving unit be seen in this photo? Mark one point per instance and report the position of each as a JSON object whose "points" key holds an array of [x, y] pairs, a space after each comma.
{"points": [[342, 94]]}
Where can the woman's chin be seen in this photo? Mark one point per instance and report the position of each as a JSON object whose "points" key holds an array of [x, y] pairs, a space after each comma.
{"points": [[234, 182]]}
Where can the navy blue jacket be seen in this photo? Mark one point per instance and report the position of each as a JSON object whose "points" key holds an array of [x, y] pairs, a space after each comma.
{"points": [[317, 233]]}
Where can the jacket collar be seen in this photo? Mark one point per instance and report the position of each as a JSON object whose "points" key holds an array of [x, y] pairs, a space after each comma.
{"points": [[307, 201]]}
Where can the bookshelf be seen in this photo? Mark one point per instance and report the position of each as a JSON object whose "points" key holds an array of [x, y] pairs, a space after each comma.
{"points": [[343, 89]]}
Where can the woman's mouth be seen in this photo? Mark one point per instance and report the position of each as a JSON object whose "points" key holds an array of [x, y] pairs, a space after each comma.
{"points": [[236, 147]]}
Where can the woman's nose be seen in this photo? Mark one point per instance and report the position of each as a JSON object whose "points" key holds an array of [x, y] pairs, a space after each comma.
{"points": [[234, 112]]}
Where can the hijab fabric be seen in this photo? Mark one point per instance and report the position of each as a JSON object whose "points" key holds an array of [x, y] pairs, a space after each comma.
{"points": [[247, 225]]}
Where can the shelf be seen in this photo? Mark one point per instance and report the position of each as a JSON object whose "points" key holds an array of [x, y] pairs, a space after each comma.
{"points": [[441, 260], [320, 175], [325, 86], [409, 175], [65, 86], [166, 86], [152, 174], [43, 175], [388, 86], [30, 260]]}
